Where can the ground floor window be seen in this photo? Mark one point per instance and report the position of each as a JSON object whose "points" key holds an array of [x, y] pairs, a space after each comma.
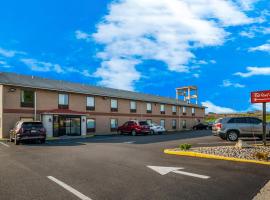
{"points": [[149, 121], [162, 123], [91, 125], [184, 124], [174, 124], [114, 125]]}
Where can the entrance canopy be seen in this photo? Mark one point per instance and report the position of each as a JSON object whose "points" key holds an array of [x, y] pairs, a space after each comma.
{"points": [[63, 112]]}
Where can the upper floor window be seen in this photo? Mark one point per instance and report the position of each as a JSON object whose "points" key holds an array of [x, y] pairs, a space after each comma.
{"points": [[114, 105], [162, 109], [133, 106], [193, 111], [63, 101], [184, 110], [174, 110], [90, 103], [148, 107], [27, 98]]}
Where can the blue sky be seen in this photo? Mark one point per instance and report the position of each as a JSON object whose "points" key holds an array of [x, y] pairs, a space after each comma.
{"points": [[148, 46]]}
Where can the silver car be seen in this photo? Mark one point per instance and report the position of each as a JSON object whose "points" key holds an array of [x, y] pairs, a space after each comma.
{"points": [[231, 128]]}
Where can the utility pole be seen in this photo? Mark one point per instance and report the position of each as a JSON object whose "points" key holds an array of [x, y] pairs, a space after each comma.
{"points": [[264, 123]]}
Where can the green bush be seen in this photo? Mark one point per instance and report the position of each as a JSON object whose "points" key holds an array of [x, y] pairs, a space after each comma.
{"points": [[185, 147]]}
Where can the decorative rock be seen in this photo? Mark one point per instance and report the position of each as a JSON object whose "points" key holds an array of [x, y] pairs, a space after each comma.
{"points": [[241, 144]]}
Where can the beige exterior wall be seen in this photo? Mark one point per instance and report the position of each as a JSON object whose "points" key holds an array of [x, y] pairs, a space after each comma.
{"points": [[11, 110]]}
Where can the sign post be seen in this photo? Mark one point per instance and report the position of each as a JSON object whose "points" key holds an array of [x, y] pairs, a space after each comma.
{"points": [[262, 97]]}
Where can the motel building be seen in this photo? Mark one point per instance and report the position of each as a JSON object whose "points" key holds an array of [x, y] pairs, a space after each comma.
{"points": [[73, 109]]}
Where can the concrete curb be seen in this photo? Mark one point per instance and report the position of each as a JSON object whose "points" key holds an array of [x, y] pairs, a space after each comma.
{"points": [[264, 193], [69, 138], [210, 156]]}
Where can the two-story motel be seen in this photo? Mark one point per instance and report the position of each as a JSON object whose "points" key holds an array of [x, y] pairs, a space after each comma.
{"points": [[67, 108]]}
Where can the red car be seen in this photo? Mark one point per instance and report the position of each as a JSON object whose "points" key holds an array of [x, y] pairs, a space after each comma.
{"points": [[28, 131], [134, 128]]}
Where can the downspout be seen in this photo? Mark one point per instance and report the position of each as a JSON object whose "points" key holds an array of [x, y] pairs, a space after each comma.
{"points": [[35, 106]]}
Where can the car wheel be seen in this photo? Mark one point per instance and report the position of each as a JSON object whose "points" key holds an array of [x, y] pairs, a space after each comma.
{"points": [[152, 132], [16, 141], [133, 133], [232, 136]]}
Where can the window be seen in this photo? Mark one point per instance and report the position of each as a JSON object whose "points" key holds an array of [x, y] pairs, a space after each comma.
{"points": [[162, 109], [149, 121], [174, 110], [162, 123], [184, 124], [27, 98], [174, 124], [63, 101], [114, 105], [255, 121], [148, 107], [90, 103], [184, 110], [91, 125], [133, 106], [193, 111], [114, 125], [240, 120]]}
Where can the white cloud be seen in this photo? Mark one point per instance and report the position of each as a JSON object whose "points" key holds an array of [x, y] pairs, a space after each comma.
{"points": [[264, 47], [118, 73], [248, 34], [4, 64], [258, 107], [40, 66], [166, 31], [217, 109], [253, 71], [196, 75], [9, 53], [80, 35], [247, 4], [228, 83]]}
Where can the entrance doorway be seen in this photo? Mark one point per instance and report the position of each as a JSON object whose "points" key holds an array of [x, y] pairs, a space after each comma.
{"points": [[66, 125]]}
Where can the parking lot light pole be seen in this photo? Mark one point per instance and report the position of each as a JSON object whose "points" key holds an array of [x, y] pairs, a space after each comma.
{"points": [[264, 122]]}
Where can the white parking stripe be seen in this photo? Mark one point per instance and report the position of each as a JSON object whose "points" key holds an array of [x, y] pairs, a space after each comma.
{"points": [[6, 145], [192, 174], [68, 188], [129, 142]]}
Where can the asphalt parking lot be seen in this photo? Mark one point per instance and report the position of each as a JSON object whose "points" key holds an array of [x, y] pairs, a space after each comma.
{"points": [[124, 167]]}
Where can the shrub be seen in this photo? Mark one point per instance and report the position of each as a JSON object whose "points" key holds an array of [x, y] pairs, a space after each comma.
{"points": [[261, 156], [185, 147]]}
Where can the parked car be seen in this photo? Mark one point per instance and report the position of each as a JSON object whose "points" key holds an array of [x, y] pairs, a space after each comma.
{"points": [[231, 128], [200, 126], [28, 131], [134, 127], [156, 129], [210, 125]]}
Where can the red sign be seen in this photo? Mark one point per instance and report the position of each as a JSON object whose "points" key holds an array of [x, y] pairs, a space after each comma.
{"points": [[260, 96]]}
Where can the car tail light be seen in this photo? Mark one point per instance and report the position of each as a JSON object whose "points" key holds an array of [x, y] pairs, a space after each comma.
{"points": [[218, 125]]}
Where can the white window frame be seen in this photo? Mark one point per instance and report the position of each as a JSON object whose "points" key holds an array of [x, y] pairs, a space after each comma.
{"points": [[174, 109], [114, 101], [64, 95], [89, 104], [162, 120], [149, 105], [162, 107], [133, 105]]}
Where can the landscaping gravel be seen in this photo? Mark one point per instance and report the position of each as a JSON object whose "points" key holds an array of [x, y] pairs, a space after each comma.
{"points": [[231, 151]]}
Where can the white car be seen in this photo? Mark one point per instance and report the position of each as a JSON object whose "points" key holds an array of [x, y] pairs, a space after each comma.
{"points": [[156, 129]]}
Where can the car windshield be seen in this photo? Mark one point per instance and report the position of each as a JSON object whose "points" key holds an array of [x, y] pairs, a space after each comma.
{"points": [[32, 124], [154, 124], [142, 123]]}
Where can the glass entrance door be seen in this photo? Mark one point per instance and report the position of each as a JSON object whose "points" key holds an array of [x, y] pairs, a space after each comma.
{"points": [[67, 125]]}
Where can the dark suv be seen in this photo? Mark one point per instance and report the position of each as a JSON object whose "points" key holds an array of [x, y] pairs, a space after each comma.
{"points": [[28, 131], [134, 128]]}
